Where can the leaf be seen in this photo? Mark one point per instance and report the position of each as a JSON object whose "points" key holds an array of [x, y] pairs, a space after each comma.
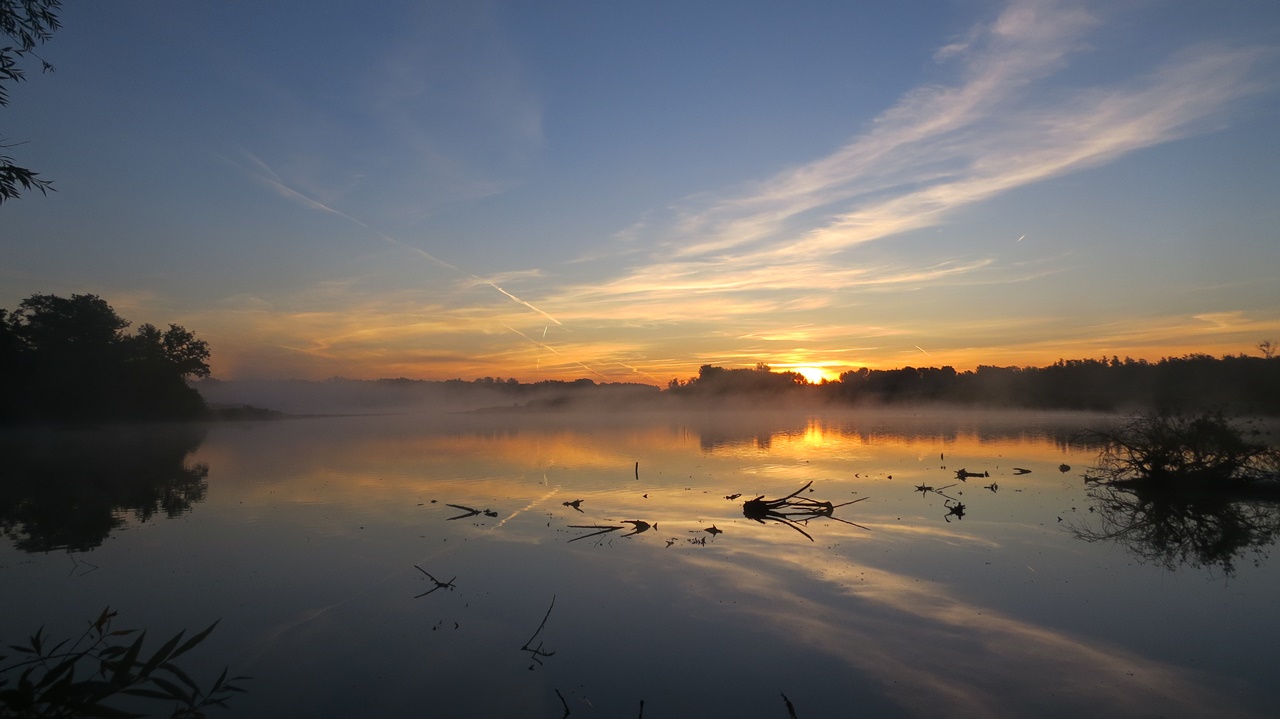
{"points": [[101, 712], [194, 640], [161, 654], [148, 693], [52, 675], [175, 691], [127, 661], [104, 619], [221, 678], [181, 675]]}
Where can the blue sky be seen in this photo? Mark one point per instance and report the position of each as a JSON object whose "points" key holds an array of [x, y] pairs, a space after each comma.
{"points": [[627, 191]]}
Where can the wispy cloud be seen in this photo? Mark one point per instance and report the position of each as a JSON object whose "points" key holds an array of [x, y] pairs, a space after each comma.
{"points": [[786, 260], [1006, 122]]}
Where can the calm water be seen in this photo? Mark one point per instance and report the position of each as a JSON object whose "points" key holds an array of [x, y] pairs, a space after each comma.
{"points": [[302, 537]]}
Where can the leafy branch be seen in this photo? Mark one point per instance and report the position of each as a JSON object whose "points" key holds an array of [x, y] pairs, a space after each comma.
{"points": [[82, 678]]}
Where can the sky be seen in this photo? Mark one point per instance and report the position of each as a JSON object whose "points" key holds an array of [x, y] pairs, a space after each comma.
{"points": [[625, 191]]}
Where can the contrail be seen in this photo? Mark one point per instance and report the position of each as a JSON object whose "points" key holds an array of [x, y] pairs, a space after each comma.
{"points": [[527, 507], [1020, 239], [268, 177], [553, 350], [922, 350], [640, 371]]}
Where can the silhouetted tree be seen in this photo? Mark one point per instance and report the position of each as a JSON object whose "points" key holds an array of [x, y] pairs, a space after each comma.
{"points": [[71, 360], [27, 24]]}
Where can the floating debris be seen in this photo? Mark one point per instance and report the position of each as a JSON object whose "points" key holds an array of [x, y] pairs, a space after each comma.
{"points": [[601, 529], [964, 474], [954, 510], [1064, 468], [639, 526], [791, 708], [1020, 470], [576, 504], [468, 511], [438, 584], [793, 510], [537, 653]]}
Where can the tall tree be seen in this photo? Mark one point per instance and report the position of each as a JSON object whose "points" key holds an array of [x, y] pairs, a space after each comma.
{"points": [[70, 359], [27, 24]]}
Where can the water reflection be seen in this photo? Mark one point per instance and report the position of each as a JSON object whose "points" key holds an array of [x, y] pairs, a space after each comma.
{"points": [[328, 543], [1171, 528], [70, 489], [765, 431]]}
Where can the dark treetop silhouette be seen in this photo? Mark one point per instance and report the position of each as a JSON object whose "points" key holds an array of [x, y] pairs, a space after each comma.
{"points": [[26, 24], [70, 360]]}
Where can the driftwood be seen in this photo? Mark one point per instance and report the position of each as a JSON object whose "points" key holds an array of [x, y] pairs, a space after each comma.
{"points": [[639, 526], [925, 489], [600, 529], [537, 652], [794, 510], [439, 584], [469, 512]]}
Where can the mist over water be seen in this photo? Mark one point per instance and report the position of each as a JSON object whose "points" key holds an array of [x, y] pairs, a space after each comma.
{"points": [[399, 564]]}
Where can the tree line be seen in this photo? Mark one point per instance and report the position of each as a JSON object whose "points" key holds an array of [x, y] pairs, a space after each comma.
{"points": [[71, 360], [1236, 382]]}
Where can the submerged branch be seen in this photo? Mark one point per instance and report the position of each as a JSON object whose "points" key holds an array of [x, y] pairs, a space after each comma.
{"points": [[794, 510], [537, 652]]}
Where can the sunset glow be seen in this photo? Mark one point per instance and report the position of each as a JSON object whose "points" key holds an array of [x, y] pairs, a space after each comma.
{"points": [[626, 194], [815, 375]]}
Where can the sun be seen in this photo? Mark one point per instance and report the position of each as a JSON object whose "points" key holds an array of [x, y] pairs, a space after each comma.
{"points": [[815, 375]]}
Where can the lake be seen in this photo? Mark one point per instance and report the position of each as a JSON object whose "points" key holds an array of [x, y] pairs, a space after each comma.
{"points": [[540, 565]]}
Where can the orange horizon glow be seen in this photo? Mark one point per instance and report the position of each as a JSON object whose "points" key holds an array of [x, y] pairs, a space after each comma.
{"points": [[234, 366]]}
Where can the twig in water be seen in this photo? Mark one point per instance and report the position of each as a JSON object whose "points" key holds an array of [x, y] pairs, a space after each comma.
{"points": [[793, 510], [940, 493], [791, 709], [469, 512], [536, 652], [563, 703], [603, 529], [439, 584], [639, 526], [77, 564]]}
